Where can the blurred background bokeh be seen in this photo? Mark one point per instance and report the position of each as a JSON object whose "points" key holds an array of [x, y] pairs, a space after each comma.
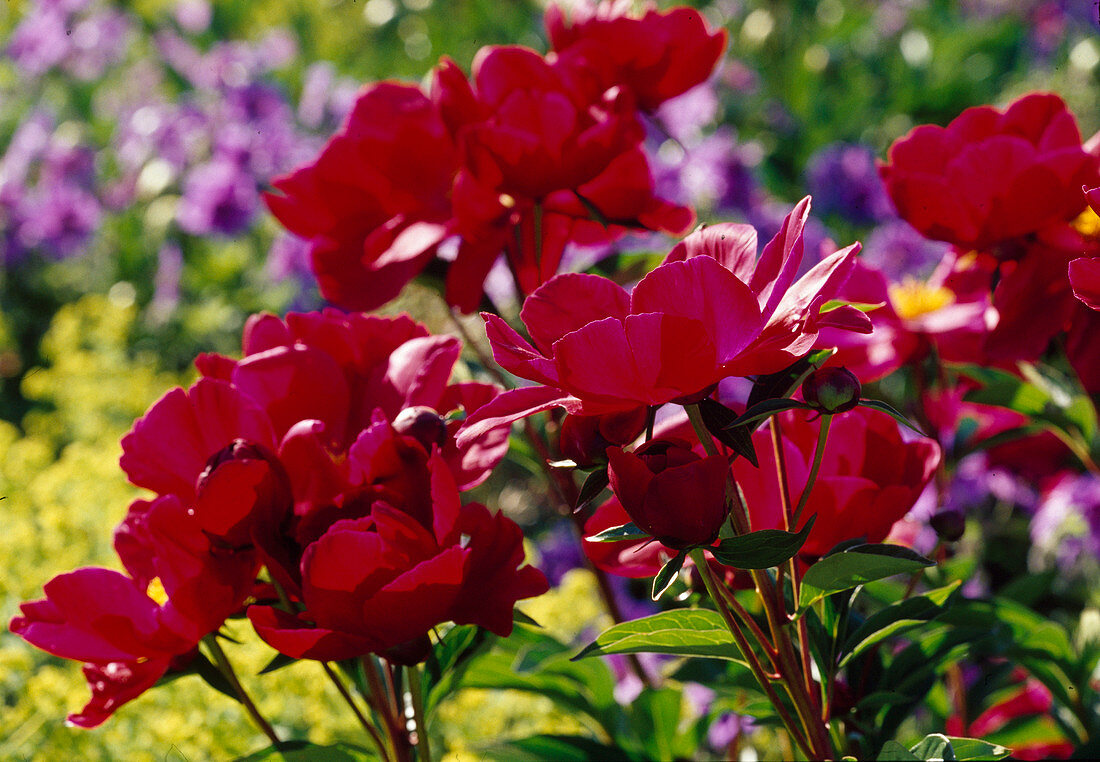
{"points": [[136, 139]]}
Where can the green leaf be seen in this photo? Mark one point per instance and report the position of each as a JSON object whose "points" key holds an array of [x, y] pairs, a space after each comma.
{"points": [[784, 382], [762, 549], [890, 411], [304, 751], [594, 484], [892, 751], [857, 566], [628, 531], [967, 749], [766, 409], [557, 747], [682, 632], [717, 418], [449, 659], [835, 304], [664, 579], [896, 619], [934, 746]]}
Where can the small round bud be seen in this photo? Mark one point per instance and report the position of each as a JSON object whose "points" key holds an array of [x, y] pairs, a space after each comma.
{"points": [[949, 525], [584, 439], [422, 424], [832, 390]]}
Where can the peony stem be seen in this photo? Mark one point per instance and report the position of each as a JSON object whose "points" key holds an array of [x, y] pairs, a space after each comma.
{"points": [[424, 751], [381, 703], [822, 436], [713, 590], [367, 724], [222, 662]]}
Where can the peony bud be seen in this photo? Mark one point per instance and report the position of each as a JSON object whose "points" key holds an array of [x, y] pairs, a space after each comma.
{"points": [[422, 424], [949, 525], [671, 492], [832, 390], [243, 483]]}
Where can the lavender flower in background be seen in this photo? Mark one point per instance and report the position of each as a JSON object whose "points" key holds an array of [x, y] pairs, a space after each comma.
{"points": [[218, 198], [167, 282], [1065, 530], [559, 552], [67, 34], [898, 250], [193, 16], [844, 181]]}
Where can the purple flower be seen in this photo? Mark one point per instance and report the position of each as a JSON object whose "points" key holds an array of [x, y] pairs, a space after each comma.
{"points": [[685, 116], [58, 219], [167, 283], [193, 16], [714, 173], [897, 250], [218, 197], [1066, 526], [40, 41], [726, 729], [844, 181], [559, 552]]}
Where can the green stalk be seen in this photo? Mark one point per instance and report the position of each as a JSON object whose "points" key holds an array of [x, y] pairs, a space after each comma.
{"points": [[417, 690], [822, 436], [222, 662]]}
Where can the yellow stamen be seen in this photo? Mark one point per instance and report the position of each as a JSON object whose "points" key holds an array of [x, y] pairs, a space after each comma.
{"points": [[1087, 224], [912, 298], [156, 591]]}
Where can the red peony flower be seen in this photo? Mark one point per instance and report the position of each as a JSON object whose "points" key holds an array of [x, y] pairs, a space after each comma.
{"points": [[1084, 276], [710, 311], [670, 492], [656, 57], [374, 204], [382, 581], [991, 176]]}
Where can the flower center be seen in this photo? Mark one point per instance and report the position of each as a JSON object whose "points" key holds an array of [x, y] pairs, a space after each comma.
{"points": [[1087, 224], [912, 298], [156, 591]]}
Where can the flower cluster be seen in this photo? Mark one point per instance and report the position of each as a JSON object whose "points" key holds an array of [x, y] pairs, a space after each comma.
{"points": [[322, 456], [531, 153]]}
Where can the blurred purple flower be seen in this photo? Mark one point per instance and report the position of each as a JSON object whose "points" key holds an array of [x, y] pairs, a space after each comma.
{"points": [[193, 16], [218, 197], [712, 174], [1067, 523], [559, 552], [843, 180], [40, 41], [898, 250], [58, 219], [166, 292], [726, 729], [685, 116]]}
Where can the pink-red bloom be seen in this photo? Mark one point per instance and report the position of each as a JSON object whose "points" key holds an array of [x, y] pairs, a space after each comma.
{"points": [[711, 310], [373, 205], [656, 56], [991, 176]]}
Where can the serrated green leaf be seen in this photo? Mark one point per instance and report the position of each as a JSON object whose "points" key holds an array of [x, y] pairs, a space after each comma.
{"points": [[682, 632], [895, 619], [762, 549], [893, 413], [667, 575], [857, 566], [628, 531]]}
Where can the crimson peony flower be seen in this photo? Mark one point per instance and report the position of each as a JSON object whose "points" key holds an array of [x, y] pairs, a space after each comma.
{"points": [[670, 492], [711, 310], [374, 204], [655, 57], [380, 582], [584, 439], [1084, 276], [991, 176]]}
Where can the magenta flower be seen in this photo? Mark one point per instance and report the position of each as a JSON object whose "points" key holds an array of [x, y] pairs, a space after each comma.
{"points": [[711, 310]]}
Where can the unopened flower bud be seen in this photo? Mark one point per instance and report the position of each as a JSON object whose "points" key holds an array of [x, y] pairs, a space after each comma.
{"points": [[949, 525], [832, 390], [422, 424]]}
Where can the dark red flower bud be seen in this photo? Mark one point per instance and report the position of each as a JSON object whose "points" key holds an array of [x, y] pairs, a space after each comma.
{"points": [[832, 390], [585, 438], [422, 424], [949, 525], [671, 492]]}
